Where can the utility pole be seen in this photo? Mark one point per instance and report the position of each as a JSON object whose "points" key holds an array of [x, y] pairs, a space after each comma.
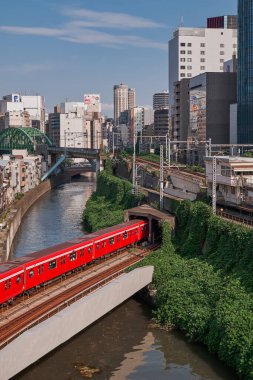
{"points": [[161, 177], [214, 185], [113, 148], [134, 169]]}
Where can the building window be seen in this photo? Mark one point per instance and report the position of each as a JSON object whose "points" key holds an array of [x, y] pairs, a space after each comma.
{"points": [[221, 60], [189, 75], [189, 67], [221, 67], [182, 44], [202, 67], [222, 53], [234, 46], [182, 51], [202, 60], [182, 59], [202, 52], [182, 75], [189, 60], [182, 67], [189, 44], [222, 45], [189, 52], [202, 45]]}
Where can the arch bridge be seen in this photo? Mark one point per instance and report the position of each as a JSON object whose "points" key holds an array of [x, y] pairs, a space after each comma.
{"points": [[22, 138]]}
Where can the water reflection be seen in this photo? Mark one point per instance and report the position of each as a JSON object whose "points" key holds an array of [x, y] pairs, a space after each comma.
{"points": [[126, 347], [55, 217]]}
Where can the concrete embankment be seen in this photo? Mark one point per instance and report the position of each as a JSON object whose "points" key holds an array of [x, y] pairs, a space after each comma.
{"points": [[18, 210], [45, 337]]}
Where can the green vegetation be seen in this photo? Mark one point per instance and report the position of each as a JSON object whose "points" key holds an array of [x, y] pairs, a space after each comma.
{"points": [[195, 168], [19, 196], [206, 288], [203, 276], [106, 206]]}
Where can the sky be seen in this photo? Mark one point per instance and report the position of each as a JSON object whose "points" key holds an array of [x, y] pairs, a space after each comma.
{"points": [[64, 49]]}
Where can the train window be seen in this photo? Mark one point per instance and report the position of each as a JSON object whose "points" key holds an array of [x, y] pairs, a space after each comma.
{"points": [[125, 235], [63, 260], [118, 238], [136, 231], [18, 279], [7, 284], [52, 264], [89, 250], [81, 252], [72, 256], [98, 246], [111, 241], [31, 273], [103, 244]]}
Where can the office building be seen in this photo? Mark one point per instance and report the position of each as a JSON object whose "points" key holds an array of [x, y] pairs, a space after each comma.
{"points": [[245, 72], [161, 100], [161, 122], [194, 51]]}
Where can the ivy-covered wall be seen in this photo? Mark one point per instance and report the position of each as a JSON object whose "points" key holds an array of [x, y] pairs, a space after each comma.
{"points": [[204, 284], [106, 206]]}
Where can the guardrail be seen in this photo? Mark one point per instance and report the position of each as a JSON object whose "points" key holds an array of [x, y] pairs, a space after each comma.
{"points": [[235, 218]]}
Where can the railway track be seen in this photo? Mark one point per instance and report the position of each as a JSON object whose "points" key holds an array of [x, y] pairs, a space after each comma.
{"points": [[34, 315], [172, 169], [235, 218]]}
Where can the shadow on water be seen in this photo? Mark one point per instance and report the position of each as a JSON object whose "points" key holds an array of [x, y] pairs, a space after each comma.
{"points": [[123, 345]]}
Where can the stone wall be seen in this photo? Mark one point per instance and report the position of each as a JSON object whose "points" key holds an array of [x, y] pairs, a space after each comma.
{"points": [[18, 210]]}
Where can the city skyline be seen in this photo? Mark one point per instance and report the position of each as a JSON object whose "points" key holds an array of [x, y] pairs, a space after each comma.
{"points": [[68, 50]]}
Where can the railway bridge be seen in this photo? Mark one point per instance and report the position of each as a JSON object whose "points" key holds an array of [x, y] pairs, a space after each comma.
{"points": [[47, 319]]}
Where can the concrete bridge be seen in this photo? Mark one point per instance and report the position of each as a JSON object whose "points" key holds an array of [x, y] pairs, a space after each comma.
{"points": [[39, 340]]}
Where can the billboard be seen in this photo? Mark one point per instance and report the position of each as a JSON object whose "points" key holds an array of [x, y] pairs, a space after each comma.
{"points": [[92, 102], [198, 114]]}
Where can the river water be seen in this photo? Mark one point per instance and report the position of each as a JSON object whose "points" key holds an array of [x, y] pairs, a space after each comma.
{"points": [[122, 345]]}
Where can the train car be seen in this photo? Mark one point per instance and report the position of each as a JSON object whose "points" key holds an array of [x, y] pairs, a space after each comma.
{"points": [[37, 268], [11, 280]]}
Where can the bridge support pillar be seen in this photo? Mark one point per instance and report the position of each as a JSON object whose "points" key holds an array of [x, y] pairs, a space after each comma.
{"points": [[99, 165]]}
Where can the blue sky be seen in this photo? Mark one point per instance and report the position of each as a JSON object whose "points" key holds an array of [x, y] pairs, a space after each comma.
{"points": [[63, 49]]}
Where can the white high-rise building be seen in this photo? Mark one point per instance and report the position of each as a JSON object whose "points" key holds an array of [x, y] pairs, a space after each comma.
{"points": [[194, 51]]}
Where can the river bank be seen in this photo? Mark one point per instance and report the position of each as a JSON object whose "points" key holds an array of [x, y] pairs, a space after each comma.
{"points": [[14, 215]]}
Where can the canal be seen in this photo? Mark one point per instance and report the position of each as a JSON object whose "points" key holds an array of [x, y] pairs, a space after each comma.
{"points": [[122, 345]]}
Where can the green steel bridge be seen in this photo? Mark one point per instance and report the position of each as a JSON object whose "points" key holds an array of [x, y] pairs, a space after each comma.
{"points": [[22, 138]]}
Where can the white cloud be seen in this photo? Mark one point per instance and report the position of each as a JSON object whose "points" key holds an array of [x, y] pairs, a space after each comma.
{"points": [[110, 19], [107, 106], [82, 32]]}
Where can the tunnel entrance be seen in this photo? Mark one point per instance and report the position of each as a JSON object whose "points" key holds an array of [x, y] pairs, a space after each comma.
{"points": [[155, 219]]}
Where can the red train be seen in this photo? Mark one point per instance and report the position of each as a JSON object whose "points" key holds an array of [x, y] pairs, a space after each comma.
{"points": [[37, 268]]}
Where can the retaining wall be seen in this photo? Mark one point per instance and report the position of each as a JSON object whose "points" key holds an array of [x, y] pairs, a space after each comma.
{"points": [[18, 210], [45, 337]]}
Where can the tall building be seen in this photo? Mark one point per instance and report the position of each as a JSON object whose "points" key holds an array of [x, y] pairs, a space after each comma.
{"points": [[161, 122], [161, 100], [120, 95], [136, 121], [245, 72], [222, 22], [131, 98], [194, 51]]}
